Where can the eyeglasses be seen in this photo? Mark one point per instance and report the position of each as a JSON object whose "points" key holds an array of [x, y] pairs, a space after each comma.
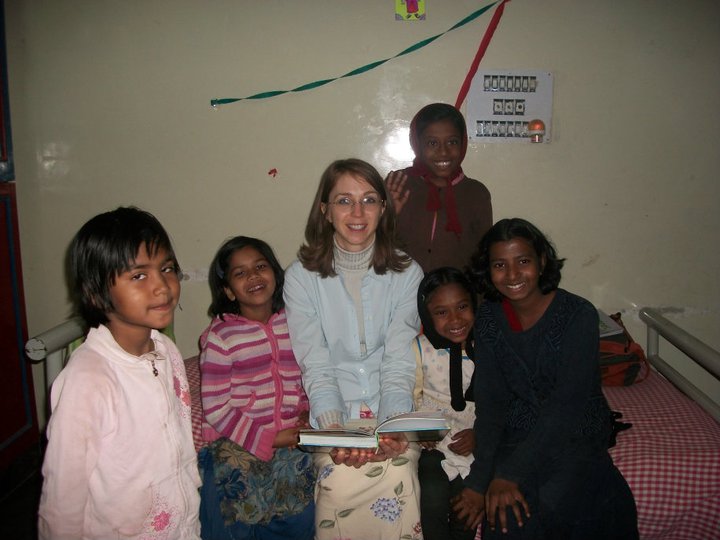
{"points": [[346, 204]]}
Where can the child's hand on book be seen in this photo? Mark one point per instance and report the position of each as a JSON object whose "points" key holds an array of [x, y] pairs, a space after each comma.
{"points": [[287, 438]]}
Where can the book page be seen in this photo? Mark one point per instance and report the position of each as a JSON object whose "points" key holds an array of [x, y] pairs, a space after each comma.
{"points": [[414, 421], [608, 327]]}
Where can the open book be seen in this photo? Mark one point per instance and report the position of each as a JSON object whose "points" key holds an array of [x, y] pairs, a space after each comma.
{"points": [[608, 327], [413, 426]]}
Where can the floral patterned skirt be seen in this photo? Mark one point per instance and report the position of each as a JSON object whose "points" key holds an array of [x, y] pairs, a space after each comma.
{"points": [[254, 491], [378, 501]]}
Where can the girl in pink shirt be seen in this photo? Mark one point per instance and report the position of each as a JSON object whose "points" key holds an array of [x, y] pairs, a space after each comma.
{"points": [[120, 461], [256, 483]]}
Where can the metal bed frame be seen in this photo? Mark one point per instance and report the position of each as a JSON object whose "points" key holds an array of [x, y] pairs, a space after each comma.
{"points": [[704, 355], [50, 347]]}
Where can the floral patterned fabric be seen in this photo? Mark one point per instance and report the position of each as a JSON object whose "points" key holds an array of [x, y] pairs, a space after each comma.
{"points": [[254, 491], [378, 501]]}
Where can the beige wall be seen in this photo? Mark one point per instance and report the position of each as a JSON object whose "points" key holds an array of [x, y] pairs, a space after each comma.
{"points": [[110, 106]]}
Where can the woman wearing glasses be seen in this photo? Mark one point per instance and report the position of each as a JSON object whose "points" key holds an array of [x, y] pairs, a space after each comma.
{"points": [[352, 313]]}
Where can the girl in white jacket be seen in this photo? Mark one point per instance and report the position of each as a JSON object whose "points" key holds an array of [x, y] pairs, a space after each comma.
{"points": [[120, 461]]}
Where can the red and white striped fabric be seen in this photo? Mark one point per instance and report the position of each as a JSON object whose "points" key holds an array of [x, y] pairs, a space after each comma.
{"points": [[670, 458]]}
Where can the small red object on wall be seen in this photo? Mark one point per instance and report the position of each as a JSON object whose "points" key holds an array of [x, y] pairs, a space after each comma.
{"points": [[536, 130]]}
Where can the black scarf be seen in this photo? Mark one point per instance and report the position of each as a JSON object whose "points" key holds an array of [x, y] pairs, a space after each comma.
{"points": [[457, 400]]}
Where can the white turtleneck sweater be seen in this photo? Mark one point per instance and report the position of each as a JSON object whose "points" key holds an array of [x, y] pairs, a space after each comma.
{"points": [[353, 266], [352, 336]]}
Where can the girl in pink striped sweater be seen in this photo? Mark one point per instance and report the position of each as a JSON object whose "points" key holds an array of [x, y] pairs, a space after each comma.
{"points": [[256, 483]]}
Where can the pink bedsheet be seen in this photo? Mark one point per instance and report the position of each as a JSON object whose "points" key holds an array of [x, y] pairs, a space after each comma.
{"points": [[670, 458]]}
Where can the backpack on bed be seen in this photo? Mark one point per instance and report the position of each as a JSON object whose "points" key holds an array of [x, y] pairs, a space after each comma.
{"points": [[622, 360]]}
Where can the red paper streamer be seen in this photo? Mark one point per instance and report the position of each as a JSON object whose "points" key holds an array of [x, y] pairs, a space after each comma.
{"points": [[480, 53]]}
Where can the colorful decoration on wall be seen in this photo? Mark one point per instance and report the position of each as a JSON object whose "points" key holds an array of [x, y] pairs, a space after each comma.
{"points": [[316, 84], [480, 53], [409, 10]]}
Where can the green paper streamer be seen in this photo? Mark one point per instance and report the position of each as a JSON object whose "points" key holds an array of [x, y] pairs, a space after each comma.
{"points": [[358, 71]]}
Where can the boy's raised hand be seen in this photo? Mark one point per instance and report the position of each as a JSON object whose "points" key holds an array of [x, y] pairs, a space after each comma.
{"points": [[396, 183]]}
